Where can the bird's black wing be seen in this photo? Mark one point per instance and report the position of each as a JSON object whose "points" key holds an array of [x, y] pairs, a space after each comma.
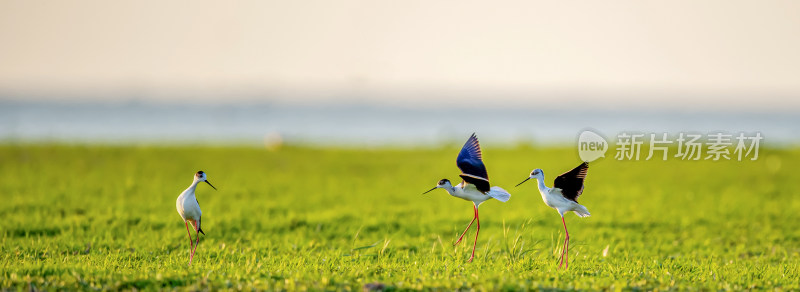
{"points": [[571, 182], [470, 163]]}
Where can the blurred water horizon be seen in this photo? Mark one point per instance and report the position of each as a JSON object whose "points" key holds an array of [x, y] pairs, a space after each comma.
{"points": [[362, 73], [360, 124]]}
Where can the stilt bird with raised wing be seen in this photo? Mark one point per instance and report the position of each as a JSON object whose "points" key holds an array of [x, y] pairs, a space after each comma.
{"points": [[564, 198], [475, 186], [189, 209]]}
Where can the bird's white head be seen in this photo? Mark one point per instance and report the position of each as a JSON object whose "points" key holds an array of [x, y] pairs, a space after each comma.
{"points": [[535, 174], [200, 176], [443, 183]]}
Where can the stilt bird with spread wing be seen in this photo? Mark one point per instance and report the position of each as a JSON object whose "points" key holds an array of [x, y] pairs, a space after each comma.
{"points": [[563, 197], [475, 185]]}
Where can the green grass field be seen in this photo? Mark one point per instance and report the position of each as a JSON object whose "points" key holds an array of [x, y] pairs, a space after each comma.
{"points": [[103, 218]]}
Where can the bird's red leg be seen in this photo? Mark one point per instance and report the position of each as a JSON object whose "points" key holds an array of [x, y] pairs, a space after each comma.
{"points": [[196, 233], [566, 258], [474, 215], [561, 259], [476, 234], [565, 252], [191, 244]]}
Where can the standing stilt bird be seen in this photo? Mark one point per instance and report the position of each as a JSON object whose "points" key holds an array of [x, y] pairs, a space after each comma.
{"points": [[475, 185], [563, 197], [189, 209]]}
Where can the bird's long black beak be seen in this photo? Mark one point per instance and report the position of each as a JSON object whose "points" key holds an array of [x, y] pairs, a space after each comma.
{"points": [[429, 190], [522, 182], [211, 185]]}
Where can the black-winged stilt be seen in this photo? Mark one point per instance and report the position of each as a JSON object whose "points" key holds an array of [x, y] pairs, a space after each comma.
{"points": [[563, 197], [189, 209], [475, 185]]}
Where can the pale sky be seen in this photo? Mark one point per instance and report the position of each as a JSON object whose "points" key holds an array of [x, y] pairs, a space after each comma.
{"points": [[744, 53]]}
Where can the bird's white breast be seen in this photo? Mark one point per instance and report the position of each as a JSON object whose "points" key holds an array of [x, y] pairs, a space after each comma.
{"points": [[470, 193], [554, 199], [187, 207]]}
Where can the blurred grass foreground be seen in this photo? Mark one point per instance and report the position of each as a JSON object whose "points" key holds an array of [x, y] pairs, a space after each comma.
{"points": [[103, 218]]}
